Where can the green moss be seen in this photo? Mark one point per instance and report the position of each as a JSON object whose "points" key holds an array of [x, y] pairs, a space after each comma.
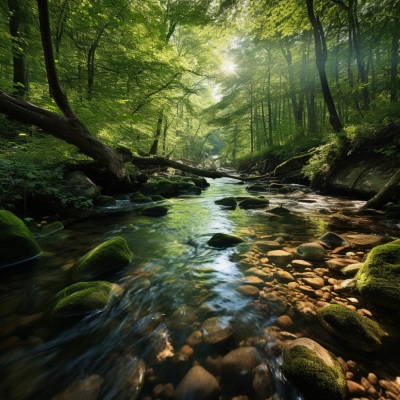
{"points": [[80, 299], [253, 203], [379, 278], [358, 331], [140, 198], [157, 197], [17, 243], [224, 240], [162, 187], [200, 182], [102, 260], [314, 378]]}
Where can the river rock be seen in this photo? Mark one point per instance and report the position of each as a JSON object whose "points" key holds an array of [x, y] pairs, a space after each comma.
{"points": [[88, 389], [301, 264], [337, 264], [311, 251], [198, 384], [17, 243], [248, 290], [315, 283], [80, 185], [351, 269], [358, 331], [253, 280], [154, 211], [379, 279], [105, 201], [279, 256], [237, 368], [262, 382], [253, 202], [283, 276], [102, 260], [80, 299], [333, 240], [216, 330], [314, 371], [223, 240]]}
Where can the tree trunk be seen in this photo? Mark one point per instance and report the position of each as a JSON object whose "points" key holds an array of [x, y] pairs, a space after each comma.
{"points": [[154, 146], [321, 56], [394, 61], [20, 71], [385, 195]]}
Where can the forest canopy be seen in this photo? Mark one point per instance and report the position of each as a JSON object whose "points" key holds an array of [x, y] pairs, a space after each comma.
{"points": [[196, 78]]}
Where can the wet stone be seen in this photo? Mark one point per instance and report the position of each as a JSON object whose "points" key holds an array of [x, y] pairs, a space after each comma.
{"points": [[216, 330], [301, 264], [315, 283], [253, 280], [248, 290], [279, 256]]}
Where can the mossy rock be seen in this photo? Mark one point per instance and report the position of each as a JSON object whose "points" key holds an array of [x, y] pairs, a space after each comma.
{"points": [[102, 260], [140, 198], [357, 330], [162, 187], [157, 197], [378, 279], [314, 371], [51, 228], [17, 242], [80, 299], [227, 202], [393, 212], [154, 211], [253, 202], [200, 182], [223, 240]]}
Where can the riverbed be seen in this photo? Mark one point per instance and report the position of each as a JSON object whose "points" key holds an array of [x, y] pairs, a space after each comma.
{"points": [[143, 344]]}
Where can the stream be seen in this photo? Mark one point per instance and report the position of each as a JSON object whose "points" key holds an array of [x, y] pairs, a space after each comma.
{"points": [[174, 283]]}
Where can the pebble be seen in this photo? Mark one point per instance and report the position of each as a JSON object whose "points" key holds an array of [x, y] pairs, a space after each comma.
{"points": [[285, 322], [355, 389], [195, 339], [187, 350], [372, 378]]}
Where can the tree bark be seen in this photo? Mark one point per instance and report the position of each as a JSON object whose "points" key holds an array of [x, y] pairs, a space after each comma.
{"points": [[321, 56], [385, 195], [20, 70], [154, 146]]}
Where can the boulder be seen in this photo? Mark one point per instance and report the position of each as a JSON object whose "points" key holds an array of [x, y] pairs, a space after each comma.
{"points": [[237, 369], [314, 371], [80, 185], [198, 384], [162, 187], [311, 251], [378, 279], [358, 331], [17, 243], [223, 240], [102, 260], [105, 201], [253, 202], [80, 299]]}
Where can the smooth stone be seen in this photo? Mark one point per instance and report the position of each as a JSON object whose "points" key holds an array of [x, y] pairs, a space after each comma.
{"points": [[351, 269], [284, 276], [222, 240], [315, 283], [311, 251], [237, 368], [336, 264], [263, 382], [355, 389], [332, 239], [253, 280], [279, 256], [285, 322], [198, 384], [216, 330], [301, 264], [195, 339], [248, 290]]}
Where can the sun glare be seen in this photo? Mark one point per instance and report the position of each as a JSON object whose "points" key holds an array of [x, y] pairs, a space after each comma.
{"points": [[228, 67]]}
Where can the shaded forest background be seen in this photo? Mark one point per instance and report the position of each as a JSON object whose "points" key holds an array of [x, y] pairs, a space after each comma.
{"points": [[238, 79]]}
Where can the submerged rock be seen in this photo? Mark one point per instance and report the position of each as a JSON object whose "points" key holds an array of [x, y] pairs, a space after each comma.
{"points": [[237, 369], [357, 330], [216, 330], [80, 299], [154, 211], [253, 202], [227, 202], [17, 243], [102, 260], [224, 240], [332, 239], [314, 371], [140, 198], [379, 278], [51, 228], [198, 384]]}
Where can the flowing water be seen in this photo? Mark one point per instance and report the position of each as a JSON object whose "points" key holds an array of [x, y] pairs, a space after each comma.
{"points": [[174, 282]]}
